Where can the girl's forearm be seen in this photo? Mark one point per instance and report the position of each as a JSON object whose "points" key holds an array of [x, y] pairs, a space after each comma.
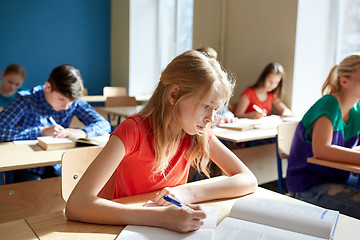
{"points": [[221, 187], [338, 153], [102, 211]]}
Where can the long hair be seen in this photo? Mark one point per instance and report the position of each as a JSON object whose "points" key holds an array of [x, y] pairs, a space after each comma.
{"points": [[191, 71], [345, 69], [273, 67]]}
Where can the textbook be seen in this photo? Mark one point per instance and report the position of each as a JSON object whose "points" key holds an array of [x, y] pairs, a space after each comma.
{"points": [[52, 143], [253, 217]]}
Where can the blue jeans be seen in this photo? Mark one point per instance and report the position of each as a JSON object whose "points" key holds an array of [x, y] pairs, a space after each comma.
{"points": [[340, 197]]}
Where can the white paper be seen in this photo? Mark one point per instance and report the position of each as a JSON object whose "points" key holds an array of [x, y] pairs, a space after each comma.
{"points": [[236, 229], [311, 220], [153, 233]]}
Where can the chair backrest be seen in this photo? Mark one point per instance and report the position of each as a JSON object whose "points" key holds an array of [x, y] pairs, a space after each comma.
{"points": [[285, 136], [120, 101], [74, 164], [114, 91], [85, 92]]}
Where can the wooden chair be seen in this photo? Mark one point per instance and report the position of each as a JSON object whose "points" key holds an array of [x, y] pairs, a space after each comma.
{"points": [[85, 92], [114, 91], [26, 199], [119, 101], [283, 145], [74, 164]]}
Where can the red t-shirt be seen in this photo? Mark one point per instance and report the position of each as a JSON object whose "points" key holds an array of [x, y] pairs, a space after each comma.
{"points": [[135, 172], [266, 105]]}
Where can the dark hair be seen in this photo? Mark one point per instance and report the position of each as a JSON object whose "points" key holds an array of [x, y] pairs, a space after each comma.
{"points": [[273, 67], [15, 68], [67, 80]]}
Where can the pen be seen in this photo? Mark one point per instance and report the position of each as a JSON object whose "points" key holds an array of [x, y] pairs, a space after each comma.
{"points": [[257, 108], [52, 121], [176, 202]]}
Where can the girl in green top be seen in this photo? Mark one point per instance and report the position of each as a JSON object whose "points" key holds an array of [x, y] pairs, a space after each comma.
{"points": [[328, 131]]}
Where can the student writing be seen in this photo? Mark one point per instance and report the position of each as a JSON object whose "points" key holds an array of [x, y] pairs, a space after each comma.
{"points": [[28, 116], [264, 94], [329, 130], [153, 150]]}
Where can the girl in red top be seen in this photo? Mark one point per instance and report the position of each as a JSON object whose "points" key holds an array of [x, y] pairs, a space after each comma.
{"points": [[152, 151], [257, 100]]}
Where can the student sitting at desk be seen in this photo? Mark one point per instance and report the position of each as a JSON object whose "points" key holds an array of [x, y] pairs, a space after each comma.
{"points": [[223, 115], [152, 151], [257, 101], [329, 130], [12, 79], [29, 115]]}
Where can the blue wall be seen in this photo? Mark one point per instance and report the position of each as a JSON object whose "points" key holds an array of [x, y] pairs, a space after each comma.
{"points": [[42, 34]]}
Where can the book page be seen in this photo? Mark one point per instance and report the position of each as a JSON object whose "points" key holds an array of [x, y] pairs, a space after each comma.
{"points": [[236, 229], [132, 232], [311, 220], [53, 140], [149, 233]]}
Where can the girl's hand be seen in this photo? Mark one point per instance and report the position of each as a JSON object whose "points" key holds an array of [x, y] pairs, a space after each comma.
{"points": [[255, 115], [174, 192], [183, 220]]}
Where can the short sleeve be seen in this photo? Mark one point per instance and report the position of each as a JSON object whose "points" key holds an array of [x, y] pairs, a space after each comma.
{"points": [[130, 133], [328, 106]]}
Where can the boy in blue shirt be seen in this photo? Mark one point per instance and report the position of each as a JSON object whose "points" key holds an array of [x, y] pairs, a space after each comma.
{"points": [[28, 116]]}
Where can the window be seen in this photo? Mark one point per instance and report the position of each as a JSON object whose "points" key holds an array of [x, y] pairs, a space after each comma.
{"points": [[348, 28], [175, 23]]}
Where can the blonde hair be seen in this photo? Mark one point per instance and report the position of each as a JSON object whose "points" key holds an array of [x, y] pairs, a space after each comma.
{"points": [[345, 69], [191, 71]]}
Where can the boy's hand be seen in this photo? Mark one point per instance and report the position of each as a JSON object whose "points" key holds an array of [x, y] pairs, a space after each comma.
{"points": [[70, 132], [51, 130]]}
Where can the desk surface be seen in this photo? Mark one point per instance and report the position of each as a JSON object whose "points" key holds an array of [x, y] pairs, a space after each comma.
{"points": [[55, 226], [339, 165], [122, 111], [102, 98], [244, 135], [21, 156]]}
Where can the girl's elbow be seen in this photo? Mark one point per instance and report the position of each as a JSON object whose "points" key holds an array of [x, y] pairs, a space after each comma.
{"points": [[320, 152]]}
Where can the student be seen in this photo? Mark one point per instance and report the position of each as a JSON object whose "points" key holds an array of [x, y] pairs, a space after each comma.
{"points": [[223, 115], [329, 130], [12, 79], [152, 151], [28, 116], [265, 93]]}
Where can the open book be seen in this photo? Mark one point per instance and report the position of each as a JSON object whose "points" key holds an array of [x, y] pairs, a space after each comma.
{"points": [[255, 218], [51, 143]]}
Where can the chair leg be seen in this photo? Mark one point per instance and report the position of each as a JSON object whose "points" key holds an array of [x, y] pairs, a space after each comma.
{"points": [[279, 167]]}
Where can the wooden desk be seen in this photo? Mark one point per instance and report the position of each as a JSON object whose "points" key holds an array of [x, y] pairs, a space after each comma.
{"points": [[18, 229], [244, 135], [22, 156], [55, 226], [121, 111], [355, 168], [94, 98]]}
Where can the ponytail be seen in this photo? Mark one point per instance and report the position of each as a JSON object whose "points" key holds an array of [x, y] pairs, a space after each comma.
{"points": [[346, 68], [331, 85]]}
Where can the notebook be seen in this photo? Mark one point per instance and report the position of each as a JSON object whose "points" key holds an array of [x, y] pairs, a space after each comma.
{"points": [[52, 143], [132, 232], [253, 218]]}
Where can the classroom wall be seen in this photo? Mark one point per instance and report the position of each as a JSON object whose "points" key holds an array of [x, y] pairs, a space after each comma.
{"points": [[248, 34], [40, 35]]}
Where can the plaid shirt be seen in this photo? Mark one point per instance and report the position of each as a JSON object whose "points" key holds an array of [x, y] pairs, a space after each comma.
{"points": [[29, 111]]}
